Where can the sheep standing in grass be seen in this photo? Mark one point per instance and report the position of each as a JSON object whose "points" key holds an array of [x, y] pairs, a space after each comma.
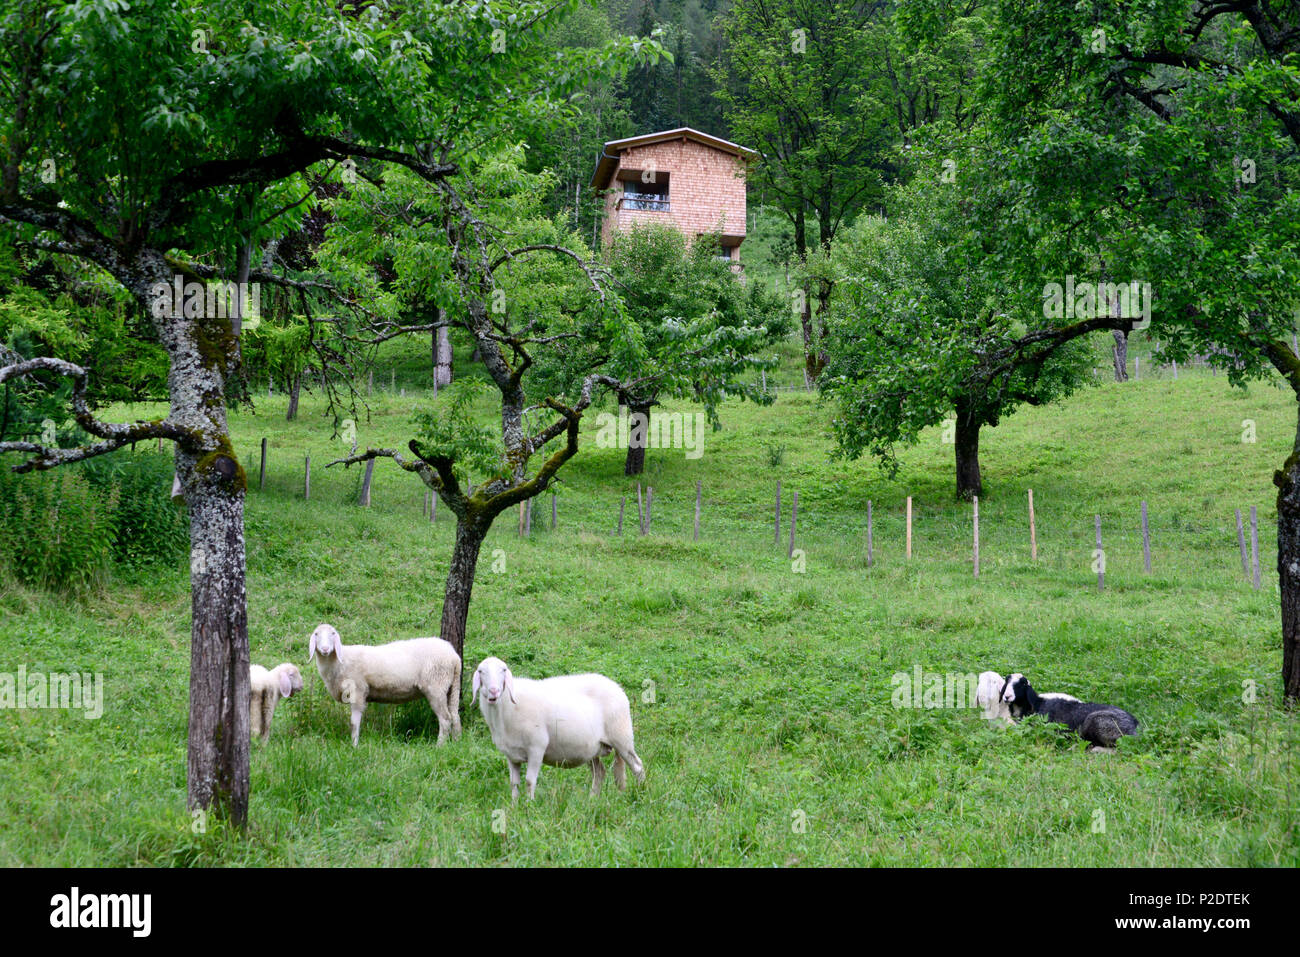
{"points": [[265, 689], [564, 722], [398, 671]]}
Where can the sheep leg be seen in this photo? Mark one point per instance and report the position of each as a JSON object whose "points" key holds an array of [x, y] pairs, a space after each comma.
{"points": [[534, 766], [597, 775], [358, 709], [514, 781], [628, 754], [446, 720], [453, 705], [620, 771], [268, 712], [255, 715]]}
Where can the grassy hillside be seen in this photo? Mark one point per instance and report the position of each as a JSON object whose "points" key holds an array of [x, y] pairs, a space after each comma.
{"points": [[761, 693]]}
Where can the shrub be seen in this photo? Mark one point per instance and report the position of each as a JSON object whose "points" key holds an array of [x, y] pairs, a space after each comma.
{"points": [[61, 529], [148, 527], [56, 530]]}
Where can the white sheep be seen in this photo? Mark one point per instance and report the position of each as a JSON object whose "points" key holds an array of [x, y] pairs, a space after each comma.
{"points": [[398, 671], [565, 722], [988, 696], [265, 689]]}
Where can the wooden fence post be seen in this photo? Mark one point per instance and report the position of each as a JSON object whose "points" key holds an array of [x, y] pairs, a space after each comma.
{"points": [[1146, 540], [699, 492], [521, 519], [261, 478], [640, 510], [909, 526], [621, 502], [1033, 532], [649, 500], [1241, 544], [1137, 368], [554, 511], [1254, 547], [306, 481], [975, 501], [794, 517], [778, 511], [365, 483], [433, 507], [869, 555], [1100, 557], [528, 520]]}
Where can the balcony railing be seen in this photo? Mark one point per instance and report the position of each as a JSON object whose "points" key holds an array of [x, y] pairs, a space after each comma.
{"points": [[656, 202]]}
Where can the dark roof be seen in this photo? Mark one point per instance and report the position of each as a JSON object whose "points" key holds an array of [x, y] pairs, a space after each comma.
{"points": [[607, 163]]}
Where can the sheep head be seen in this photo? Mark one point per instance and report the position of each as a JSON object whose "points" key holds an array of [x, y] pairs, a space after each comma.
{"points": [[325, 641], [493, 676], [290, 679], [1019, 696], [989, 689]]}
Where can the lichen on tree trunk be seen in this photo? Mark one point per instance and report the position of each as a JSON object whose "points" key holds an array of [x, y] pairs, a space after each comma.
{"points": [[218, 771]]}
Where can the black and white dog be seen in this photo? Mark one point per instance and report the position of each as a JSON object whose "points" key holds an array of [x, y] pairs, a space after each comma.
{"points": [[1099, 724]]}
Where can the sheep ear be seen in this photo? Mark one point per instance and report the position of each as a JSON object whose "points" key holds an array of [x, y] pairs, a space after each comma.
{"points": [[286, 684], [311, 648], [478, 680], [510, 686]]}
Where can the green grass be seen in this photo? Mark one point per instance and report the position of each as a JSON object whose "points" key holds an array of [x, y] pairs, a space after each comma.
{"points": [[771, 691]]}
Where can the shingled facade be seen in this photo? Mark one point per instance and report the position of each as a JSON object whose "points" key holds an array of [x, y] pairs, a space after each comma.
{"points": [[683, 177]]}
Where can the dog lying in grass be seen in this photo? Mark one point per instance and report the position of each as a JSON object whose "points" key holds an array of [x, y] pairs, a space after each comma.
{"points": [[1099, 724]]}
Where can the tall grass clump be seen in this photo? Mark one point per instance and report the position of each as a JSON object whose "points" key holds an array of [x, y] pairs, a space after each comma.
{"points": [[56, 530], [149, 528]]}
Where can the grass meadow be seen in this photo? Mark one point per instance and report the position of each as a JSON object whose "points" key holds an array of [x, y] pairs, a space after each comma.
{"points": [[760, 686]]}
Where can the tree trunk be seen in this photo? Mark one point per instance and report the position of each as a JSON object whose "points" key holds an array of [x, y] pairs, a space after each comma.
{"points": [[1288, 569], [810, 351], [967, 445], [460, 580], [203, 355], [1120, 353], [217, 762], [441, 349], [635, 463], [293, 398], [824, 289]]}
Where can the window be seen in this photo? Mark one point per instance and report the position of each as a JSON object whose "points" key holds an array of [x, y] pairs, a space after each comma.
{"points": [[650, 196]]}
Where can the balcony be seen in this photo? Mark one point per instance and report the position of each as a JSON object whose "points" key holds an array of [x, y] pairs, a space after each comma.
{"points": [[653, 202]]}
